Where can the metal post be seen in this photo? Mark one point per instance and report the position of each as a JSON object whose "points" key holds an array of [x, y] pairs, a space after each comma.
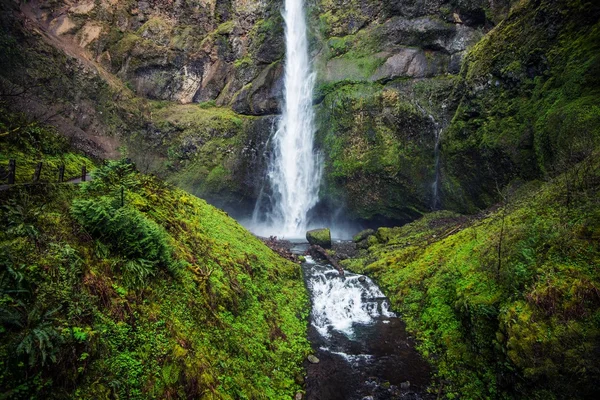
{"points": [[83, 173], [38, 172], [61, 173], [12, 171]]}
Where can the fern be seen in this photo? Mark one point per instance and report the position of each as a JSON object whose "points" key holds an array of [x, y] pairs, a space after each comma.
{"points": [[137, 272], [37, 338]]}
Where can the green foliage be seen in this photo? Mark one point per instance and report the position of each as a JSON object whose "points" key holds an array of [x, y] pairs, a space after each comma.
{"points": [[88, 309], [126, 230], [29, 142], [504, 304], [527, 103]]}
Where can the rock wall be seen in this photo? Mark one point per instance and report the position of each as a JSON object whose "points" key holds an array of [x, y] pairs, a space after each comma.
{"points": [[182, 51], [386, 71], [471, 93]]}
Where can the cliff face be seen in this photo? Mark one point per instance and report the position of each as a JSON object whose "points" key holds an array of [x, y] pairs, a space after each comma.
{"points": [[439, 104], [226, 51], [386, 71], [420, 104]]}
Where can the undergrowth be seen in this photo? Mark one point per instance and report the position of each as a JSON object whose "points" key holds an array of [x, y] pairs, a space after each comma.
{"points": [[507, 303], [127, 288], [29, 142]]}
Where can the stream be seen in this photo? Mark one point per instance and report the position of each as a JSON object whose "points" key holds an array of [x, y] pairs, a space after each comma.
{"points": [[363, 348]]}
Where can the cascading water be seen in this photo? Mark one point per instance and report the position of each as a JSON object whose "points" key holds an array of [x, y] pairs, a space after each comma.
{"points": [[294, 172], [339, 304], [362, 346]]}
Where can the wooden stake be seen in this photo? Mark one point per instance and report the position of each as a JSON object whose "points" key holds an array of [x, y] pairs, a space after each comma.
{"points": [[83, 173], [12, 171], [61, 173], [38, 172]]}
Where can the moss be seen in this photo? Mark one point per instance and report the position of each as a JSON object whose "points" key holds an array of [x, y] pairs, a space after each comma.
{"points": [[29, 142], [202, 146], [526, 88], [379, 150], [321, 237], [502, 303], [226, 318]]}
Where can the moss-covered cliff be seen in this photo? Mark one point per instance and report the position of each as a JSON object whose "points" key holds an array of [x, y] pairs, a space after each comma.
{"points": [[527, 101], [392, 81]]}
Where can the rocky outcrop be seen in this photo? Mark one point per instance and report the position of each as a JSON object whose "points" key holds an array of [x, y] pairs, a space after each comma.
{"points": [[182, 51], [382, 90]]}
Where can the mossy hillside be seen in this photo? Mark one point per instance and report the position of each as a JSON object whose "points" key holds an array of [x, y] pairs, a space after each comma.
{"points": [[163, 296], [204, 147], [378, 142], [30, 142], [504, 304], [527, 101]]}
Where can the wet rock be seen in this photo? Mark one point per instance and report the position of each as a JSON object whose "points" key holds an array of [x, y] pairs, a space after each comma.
{"points": [[362, 235], [298, 396], [368, 242], [263, 95], [405, 385], [362, 279], [412, 63], [320, 237], [312, 359]]}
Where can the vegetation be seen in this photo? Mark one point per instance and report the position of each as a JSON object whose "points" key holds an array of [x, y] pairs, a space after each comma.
{"points": [[527, 102], [379, 147], [30, 142], [507, 303], [125, 287]]}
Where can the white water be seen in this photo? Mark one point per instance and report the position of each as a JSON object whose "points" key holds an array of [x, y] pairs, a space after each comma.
{"points": [[294, 172], [339, 304]]}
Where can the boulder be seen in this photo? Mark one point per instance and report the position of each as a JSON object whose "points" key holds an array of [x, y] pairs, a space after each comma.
{"points": [[320, 237]]}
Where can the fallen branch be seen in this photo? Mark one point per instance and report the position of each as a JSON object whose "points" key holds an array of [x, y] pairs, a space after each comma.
{"points": [[318, 249]]}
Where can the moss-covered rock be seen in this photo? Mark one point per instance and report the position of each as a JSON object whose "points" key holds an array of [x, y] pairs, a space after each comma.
{"points": [[526, 103], [320, 237], [362, 235]]}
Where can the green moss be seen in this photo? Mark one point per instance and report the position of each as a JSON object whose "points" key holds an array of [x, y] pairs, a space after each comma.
{"points": [[321, 237], [377, 150], [29, 142], [227, 318], [526, 101], [502, 304]]}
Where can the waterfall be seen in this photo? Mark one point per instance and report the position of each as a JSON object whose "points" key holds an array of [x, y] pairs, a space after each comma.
{"points": [[435, 187], [294, 172]]}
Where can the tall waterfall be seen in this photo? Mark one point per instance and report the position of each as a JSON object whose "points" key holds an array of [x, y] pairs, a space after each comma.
{"points": [[294, 172]]}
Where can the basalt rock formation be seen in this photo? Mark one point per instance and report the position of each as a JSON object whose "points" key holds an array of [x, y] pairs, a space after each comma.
{"points": [[420, 104]]}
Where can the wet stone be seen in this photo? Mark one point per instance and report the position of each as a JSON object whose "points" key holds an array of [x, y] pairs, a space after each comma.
{"points": [[312, 359]]}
